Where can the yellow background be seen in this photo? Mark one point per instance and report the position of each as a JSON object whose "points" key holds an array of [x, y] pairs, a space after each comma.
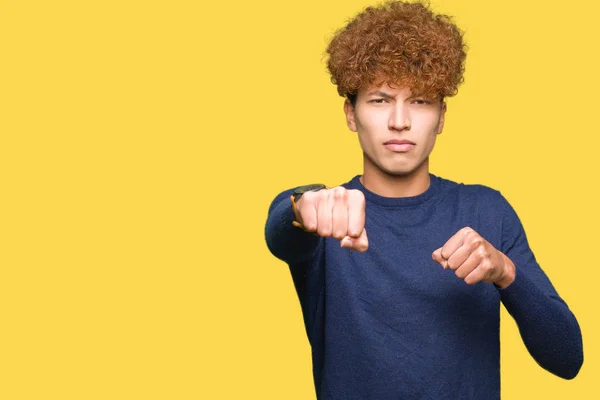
{"points": [[142, 142]]}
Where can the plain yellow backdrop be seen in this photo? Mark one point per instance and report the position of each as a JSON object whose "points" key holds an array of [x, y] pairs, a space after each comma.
{"points": [[141, 143]]}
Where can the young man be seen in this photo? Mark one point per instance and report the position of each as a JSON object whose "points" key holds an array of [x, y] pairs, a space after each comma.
{"points": [[401, 273]]}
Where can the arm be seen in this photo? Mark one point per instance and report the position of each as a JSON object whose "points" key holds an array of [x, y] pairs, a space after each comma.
{"points": [[335, 212], [548, 328]]}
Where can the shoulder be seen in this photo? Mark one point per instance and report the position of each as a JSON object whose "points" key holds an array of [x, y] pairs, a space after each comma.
{"points": [[283, 195], [467, 189], [484, 197]]}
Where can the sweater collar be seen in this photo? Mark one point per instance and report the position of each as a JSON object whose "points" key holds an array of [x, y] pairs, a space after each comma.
{"points": [[434, 183]]}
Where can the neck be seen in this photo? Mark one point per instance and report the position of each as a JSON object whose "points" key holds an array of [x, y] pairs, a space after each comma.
{"points": [[387, 185]]}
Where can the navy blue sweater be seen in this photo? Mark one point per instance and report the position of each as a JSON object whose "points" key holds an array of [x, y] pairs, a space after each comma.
{"points": [[391, 323]]}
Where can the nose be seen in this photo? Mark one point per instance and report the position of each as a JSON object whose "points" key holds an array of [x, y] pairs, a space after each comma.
{"points": [[399, 118]]}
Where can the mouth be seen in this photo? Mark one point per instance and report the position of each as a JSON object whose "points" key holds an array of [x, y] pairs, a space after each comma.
{"points": [[399, 146]]}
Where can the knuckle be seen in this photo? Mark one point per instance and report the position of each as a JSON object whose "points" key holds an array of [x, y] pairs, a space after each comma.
{"points": [[467, 230], [362, 246], [355, 232], [476, 240], [326, 232], [356, 195], [309, 197], [309, 226], [470, 281], [338, 234], [486, 266], [481, 252], [450, 263], [445, 253], [339, 192]]}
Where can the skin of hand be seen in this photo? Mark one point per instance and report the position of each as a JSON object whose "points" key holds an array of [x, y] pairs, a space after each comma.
{"points": [[474, 259], [337, 212]]}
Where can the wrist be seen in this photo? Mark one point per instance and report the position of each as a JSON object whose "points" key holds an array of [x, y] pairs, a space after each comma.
{"points": [[508, 273], [295, 208]]}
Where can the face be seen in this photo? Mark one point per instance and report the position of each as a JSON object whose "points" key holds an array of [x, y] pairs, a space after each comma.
{"points": [[396, 130]]}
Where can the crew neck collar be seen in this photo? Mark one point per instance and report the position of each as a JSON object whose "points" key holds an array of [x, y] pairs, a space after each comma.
{"points": [[434, 183]]}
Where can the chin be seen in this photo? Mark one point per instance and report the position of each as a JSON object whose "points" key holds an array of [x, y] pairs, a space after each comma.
{"points": [[399, 172], [393, 168]]}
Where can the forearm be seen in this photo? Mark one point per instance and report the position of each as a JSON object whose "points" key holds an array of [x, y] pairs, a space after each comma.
{"points": [[549, 329], [284, 240]]}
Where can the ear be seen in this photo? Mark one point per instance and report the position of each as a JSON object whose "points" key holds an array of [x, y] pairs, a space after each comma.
{"points": [[350, 117], [442, 118]]}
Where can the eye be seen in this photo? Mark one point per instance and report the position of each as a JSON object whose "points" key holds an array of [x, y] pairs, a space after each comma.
{"points": [[378, 101], [421, 101]]}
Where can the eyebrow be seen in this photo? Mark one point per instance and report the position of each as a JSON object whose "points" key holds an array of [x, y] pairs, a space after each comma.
{"points": [[379, 93]]}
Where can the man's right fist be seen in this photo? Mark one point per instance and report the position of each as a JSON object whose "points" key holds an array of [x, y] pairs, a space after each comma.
{"points": [[336, 212]]}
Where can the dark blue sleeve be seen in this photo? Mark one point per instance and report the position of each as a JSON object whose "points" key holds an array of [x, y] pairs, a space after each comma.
{"points": [[297, 248], [548, 328]]}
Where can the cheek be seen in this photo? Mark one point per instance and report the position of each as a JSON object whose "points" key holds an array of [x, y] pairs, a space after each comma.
{"points": [[430, 124], [370, 126], [366, 137], [430, 140], [364, 140]]}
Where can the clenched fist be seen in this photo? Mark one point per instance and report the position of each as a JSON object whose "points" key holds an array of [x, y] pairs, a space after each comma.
{"points": [[474, 259], [336, 212]]}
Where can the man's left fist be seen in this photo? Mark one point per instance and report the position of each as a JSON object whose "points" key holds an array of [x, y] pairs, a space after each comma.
{"points": [[474, 259]]}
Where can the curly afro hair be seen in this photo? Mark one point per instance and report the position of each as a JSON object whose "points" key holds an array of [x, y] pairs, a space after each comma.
{"points": [[398, 43]]}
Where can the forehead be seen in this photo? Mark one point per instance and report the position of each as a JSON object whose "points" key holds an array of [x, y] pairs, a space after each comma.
{"points": [[385, 88]]}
